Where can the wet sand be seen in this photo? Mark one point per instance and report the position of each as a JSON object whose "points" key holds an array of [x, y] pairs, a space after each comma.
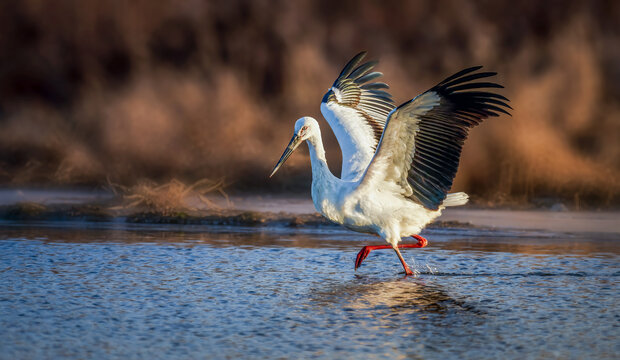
{"points": [[277, 210], [569, 221]]}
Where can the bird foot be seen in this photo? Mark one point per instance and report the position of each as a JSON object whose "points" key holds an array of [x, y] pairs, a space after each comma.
{"points": [[363, 254], [422, 242]]}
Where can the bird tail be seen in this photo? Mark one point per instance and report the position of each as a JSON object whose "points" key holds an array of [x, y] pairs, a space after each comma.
{"points": [[456, 199]]}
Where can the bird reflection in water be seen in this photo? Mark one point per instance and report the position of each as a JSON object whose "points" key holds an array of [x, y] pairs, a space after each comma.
{"points": [[402, 296]]}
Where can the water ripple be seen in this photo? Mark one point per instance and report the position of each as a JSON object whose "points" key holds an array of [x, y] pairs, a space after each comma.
{"points": [[166, 293]]}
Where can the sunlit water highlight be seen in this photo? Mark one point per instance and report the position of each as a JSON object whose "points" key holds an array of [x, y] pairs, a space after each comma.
{"points": [[96, 291]]}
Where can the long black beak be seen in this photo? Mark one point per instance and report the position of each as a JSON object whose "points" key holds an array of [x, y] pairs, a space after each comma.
{"points": [[292, 145]]}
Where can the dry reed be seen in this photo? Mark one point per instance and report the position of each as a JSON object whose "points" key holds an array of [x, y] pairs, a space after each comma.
{"points": [[169, 198], [90, 89]]}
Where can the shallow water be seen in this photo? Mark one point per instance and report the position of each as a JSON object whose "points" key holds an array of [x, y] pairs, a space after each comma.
{"points": [[122, 291]]}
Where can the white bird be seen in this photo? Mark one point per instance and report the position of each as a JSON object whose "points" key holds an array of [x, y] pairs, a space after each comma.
{"points": [[398, 164]]}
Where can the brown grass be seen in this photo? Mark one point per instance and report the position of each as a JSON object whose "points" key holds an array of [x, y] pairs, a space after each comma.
{"points": [[169, 198], [131, 90]]}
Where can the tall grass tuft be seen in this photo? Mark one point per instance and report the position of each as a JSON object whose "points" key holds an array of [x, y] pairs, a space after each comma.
{"points": [[170, 198]]}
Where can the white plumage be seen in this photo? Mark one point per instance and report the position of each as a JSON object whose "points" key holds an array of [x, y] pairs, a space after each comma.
{"points": [[398, 163]]}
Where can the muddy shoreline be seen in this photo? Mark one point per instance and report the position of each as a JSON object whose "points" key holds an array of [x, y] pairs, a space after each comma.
{"points": [[269, 210], [228, 217]]}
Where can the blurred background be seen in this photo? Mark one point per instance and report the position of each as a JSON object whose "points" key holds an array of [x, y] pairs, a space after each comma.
{"points": [[93, 92]]}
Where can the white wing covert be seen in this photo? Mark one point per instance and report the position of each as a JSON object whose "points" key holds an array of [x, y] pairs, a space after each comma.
{"points": [[356, 109], [421, 145]]}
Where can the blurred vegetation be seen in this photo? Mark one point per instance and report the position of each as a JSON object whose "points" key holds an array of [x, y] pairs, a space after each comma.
{"points": [[172, 197], [133, 90]]}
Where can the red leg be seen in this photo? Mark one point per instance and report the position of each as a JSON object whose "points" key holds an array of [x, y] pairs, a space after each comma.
{"points": [[402, 261], [422, 242], [365, 251]]}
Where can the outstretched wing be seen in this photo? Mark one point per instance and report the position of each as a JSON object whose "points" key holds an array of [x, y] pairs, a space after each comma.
{"points": [[356, 109], [421, 145]]}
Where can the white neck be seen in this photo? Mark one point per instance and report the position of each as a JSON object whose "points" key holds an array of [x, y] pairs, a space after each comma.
{"points": [[320, 170], [325, 186]]}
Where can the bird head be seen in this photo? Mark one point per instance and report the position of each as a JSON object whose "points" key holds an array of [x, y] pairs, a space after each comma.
{"points": [[304, 129]]}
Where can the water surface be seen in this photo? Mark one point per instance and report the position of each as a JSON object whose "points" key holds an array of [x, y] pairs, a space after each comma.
{"points": [[122, 291]]}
